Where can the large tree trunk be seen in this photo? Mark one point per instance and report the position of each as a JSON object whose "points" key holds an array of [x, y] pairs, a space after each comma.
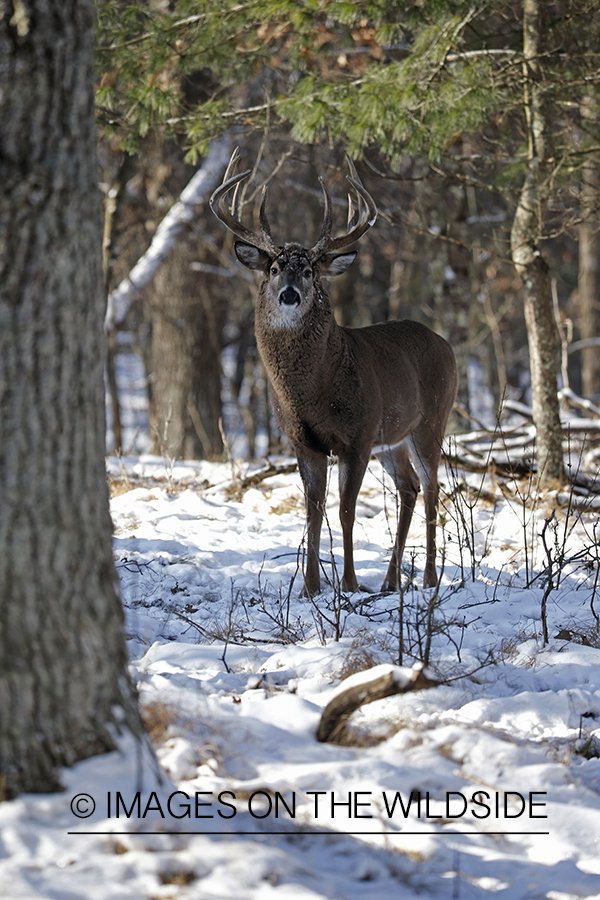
{"points": [[64, 685], [526, 238]]}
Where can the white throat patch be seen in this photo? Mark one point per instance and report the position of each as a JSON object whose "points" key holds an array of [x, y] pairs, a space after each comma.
{"points": [[282, 315]]}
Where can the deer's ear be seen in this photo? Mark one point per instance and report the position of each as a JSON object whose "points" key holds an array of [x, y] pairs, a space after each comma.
{"points": [[335, 264], [250, 256]]}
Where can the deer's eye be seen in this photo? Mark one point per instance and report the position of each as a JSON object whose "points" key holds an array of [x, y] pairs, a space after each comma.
{"points": [[307, 273], [274, 270]]}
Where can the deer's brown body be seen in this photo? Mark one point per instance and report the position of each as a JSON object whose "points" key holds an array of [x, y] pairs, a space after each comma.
{"points": [[349, 392]]}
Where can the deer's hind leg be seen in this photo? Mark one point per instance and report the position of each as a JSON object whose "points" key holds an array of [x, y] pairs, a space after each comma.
{"points": [[396, 462], [426, 451]]}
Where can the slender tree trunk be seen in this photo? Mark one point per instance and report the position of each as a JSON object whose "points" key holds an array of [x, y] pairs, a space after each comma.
{"points": [[456, 311], [589, 267], [111, 206], [526, 238], [184, 366], [64, 686], [589, 298]]}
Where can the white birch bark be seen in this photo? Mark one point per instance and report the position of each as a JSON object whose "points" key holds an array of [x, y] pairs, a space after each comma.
{"points": [[203, 183]]}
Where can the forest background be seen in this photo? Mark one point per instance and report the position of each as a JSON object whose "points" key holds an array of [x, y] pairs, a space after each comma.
{"points": [[475, 127], [476, 130]]}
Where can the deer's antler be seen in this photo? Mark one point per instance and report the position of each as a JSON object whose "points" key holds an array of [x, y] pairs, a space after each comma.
{"points": [[366, 217], [228, 217]]}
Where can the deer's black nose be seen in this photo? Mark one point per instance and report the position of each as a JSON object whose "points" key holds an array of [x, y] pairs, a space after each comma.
{"points": [[289, 297]]}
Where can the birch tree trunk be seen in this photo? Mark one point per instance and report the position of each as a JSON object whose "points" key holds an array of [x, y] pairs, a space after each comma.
{"points": [[201, 186], [64, 686], [526, 237]]}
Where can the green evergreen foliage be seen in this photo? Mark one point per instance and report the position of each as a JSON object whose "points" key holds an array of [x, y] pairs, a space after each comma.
{"points": [[401, 77]]}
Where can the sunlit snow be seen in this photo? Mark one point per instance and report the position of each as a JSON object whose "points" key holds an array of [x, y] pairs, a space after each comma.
{"points": [[486, 785]]}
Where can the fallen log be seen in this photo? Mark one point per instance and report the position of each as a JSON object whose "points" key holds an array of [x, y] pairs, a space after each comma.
{"points": [[269, 471], [365, 687], [507, 468]]}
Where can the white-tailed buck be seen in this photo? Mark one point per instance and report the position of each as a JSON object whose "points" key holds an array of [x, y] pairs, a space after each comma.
{"points": [[349, 392]]}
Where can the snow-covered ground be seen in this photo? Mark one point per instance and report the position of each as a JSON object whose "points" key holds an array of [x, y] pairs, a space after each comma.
{"points": [[234, 668]]}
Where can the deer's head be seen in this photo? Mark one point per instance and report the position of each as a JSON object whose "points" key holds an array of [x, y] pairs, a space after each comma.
{"points": [[292, 274]]}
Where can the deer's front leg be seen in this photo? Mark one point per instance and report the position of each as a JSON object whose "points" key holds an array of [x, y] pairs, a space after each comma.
{"points": [[352, 469], [313, 469]]}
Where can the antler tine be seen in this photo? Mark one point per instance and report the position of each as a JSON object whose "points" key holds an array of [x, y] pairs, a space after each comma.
{"points": [[264, 222], [231, 165], [324, 238], [352, 213], [352, 168], [360, 207], [234, 206], [228, 176], [229, 219], [365, 216], [367, 210]]}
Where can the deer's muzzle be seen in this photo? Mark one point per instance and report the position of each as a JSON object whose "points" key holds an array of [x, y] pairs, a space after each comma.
{"points": [[290, 297]]}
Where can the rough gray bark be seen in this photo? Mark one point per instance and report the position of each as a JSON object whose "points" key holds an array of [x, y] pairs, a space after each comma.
{"points": [[589, 299], [589, 268], [184, 366], [526, 235], [63, 667]]}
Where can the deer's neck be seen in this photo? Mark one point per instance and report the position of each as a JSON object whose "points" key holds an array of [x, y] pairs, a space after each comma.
{"points": [[298, 359]]}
